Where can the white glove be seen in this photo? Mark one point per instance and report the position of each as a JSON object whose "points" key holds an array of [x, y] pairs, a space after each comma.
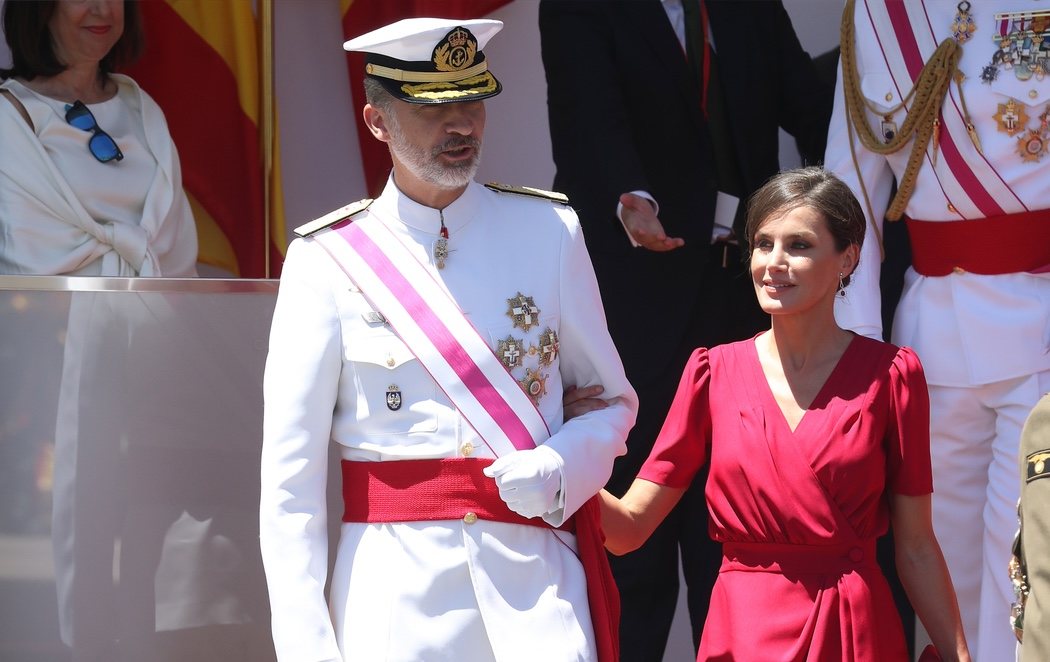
{"points": [[529, 481]]}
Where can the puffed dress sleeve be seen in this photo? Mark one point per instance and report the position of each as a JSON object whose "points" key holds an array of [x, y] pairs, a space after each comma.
{"points": [[908, 466], [683, 444]]}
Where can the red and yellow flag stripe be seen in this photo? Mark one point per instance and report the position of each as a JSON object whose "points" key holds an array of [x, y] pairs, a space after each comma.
{"points": [[202, 65]]}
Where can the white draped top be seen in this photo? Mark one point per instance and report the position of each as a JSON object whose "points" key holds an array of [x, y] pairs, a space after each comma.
{"points": [[64, 212]]}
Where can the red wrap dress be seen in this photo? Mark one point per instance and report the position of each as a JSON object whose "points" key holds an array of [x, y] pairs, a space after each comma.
{"points": [[798, 511]]}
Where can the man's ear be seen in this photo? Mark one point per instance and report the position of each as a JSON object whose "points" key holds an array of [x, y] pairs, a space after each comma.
{"points": [[376, 122]]}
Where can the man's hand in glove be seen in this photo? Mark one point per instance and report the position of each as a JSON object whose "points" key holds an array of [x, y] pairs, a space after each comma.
{"points": [[529, 481]]}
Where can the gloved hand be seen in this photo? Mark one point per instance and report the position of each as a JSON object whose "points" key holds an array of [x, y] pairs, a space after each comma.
{"points": [[529, 481]]}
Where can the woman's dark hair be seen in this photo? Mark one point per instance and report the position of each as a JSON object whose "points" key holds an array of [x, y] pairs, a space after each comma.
{"points": [[809, 187], [33, 50]]}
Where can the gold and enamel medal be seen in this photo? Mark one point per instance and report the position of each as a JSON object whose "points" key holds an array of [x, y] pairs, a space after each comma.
{"points": [[1033, 144], [534, 384], [509, 352], [1011, 117], [1023, 40], [548, 346], [963, 26], [523, 311]]}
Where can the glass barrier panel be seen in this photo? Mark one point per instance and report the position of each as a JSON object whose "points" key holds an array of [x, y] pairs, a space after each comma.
{"points": [[130, 430]]}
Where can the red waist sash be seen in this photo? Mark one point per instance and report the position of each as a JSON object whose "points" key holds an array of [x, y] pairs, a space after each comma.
{"points": [[450, 489], [789, 558], [419, 490], [1007, 244]]}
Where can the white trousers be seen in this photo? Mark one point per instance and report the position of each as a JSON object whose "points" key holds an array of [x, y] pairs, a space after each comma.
{"points": [[975, 435]]}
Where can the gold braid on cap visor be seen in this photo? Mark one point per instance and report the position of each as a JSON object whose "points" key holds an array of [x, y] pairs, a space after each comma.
{"points": [[452, 90], [426, 76]]}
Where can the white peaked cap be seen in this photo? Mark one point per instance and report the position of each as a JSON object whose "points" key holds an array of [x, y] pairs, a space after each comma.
{"points": [[431, 60], [413, 39]]}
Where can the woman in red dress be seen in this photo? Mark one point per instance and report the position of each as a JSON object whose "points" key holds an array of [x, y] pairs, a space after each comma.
{"points": [[818, 441]]}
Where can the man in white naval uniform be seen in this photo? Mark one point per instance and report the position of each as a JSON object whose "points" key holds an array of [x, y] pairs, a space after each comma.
{"points": [[976, 302], [456, 586]]}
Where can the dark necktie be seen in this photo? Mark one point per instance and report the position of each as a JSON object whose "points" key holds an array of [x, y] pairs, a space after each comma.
{"points": [[704, 63]]}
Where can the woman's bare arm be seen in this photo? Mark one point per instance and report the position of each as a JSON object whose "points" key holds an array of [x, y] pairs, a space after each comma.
{"points": [[628, 522], [925, 577]]}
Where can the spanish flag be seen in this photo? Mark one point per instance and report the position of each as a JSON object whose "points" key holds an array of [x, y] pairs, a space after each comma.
{"points": [[361, 16], [202, 65]]}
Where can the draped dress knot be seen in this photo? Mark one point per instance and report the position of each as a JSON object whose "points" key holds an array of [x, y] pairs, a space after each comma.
{"points": [[131, 242]]}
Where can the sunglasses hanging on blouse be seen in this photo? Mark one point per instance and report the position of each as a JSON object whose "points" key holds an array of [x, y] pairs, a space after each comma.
{"points": [[101, 144]]}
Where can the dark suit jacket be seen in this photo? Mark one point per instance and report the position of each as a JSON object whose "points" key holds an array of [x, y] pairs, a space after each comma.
{"points": [[625, 115]]}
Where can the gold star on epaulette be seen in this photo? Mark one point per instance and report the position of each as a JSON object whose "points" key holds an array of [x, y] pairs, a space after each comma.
{"points": [[529, 191], [1037, 465], [332, 217]]}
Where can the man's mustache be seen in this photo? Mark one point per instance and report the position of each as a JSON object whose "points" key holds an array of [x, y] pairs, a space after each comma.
{"points": [[457, 142]]}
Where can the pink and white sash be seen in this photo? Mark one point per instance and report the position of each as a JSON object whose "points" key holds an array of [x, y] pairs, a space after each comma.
{"points": [[428, 320]]}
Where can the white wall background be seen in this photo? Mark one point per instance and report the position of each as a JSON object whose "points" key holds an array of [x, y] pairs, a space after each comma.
{"points": [[320, 161]]}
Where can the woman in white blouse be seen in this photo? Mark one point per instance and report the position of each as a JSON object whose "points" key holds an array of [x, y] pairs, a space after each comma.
{"points": [[89, 177]]}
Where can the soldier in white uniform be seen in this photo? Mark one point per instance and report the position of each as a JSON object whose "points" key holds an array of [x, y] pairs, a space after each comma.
{"points": [[950, 100], [421, 576]]}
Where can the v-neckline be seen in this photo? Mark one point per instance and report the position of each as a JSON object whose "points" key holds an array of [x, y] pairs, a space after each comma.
{"points": [[822, 393]]}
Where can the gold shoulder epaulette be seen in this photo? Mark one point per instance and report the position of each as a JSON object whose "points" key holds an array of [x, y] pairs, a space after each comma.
{"points": [[528, 190], [332, 217]]}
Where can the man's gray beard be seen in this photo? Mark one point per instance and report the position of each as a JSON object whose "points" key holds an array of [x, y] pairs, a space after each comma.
{"points": [[424, 164]]}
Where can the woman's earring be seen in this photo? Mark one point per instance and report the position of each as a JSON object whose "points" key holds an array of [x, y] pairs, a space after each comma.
{"points": [[842, 285]]}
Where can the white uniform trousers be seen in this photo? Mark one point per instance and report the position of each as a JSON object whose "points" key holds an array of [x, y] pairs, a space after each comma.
{"points": [[974, 441]]}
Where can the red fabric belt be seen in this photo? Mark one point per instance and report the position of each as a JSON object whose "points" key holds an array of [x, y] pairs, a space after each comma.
{"points": [[799, 559], [1012, 243], [449, 489], [418, 490]]}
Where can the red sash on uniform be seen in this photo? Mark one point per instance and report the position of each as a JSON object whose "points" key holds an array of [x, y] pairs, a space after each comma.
{"points": [[421, 490], [1008, 244], [433, 327]]}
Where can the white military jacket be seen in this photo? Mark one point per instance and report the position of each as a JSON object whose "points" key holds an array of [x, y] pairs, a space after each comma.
{"points": [[969, 329], [447, 589]]}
